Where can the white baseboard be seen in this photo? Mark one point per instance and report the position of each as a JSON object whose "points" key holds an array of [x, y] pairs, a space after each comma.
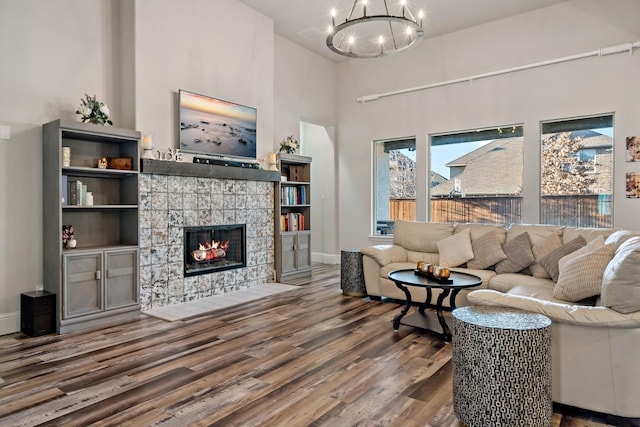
{"points": [[325, 258], [9, 323]]}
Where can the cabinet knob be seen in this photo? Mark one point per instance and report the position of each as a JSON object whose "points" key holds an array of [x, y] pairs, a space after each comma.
{"points": [[98, 275]]}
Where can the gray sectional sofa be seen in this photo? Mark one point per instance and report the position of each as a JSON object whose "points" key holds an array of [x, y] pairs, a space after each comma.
{"points": [[587, 280]]}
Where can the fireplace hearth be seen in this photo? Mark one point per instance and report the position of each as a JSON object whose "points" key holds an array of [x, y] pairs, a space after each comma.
{"points": [[214, 248]]}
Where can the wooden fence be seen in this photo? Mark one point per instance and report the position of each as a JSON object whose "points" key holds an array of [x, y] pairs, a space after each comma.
{"points": [[576, 211]]}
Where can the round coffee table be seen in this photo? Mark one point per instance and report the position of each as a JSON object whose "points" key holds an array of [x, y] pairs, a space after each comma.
{"points": [[409, 277]]}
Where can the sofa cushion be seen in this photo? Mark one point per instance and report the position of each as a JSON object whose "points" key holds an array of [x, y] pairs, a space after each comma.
{"points": [[478, 230], [487, 251], [385, 270], [557, 311], [589, 233], [620, 284], [420, 236], [455, 250], [506, 282], [428, 257], [485, 275], [620, 236], [385, 254], [581, 277], [550, 261], [519, 255], [537, 232], [540, 250]]}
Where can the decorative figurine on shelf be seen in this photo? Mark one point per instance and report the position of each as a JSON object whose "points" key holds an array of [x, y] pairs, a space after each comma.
{"points": [[289, 145], [93, 111], [172, 155], [68, 237], [102, 163], [148, 146]]}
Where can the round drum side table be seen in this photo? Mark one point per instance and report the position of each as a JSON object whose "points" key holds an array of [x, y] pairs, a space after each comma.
{"points": [[501, 367], [352, 273]]}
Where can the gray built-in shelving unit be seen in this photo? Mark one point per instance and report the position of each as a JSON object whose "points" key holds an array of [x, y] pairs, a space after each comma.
{"points": [[293, 217], [96, 282]]}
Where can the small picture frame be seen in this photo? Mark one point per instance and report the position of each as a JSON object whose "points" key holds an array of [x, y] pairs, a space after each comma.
{"points": [[633, 185], [633, 149]]}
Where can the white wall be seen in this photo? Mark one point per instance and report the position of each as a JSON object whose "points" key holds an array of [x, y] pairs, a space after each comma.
{"points": [[585, 87], [198, 45], [305, 87]]}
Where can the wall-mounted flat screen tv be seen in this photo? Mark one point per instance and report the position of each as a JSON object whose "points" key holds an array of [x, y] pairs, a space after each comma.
{"points": [[210, 126]]}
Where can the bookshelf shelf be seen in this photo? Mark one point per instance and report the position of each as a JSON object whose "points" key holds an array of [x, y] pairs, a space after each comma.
{"points": [[293, 214]]}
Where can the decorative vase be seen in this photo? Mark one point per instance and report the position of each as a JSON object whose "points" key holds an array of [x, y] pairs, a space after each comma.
{"points": [[71, 244]]}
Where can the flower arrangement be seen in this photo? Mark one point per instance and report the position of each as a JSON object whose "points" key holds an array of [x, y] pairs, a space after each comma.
{"points": [[94, 111], [289, 145], [67, 234]]}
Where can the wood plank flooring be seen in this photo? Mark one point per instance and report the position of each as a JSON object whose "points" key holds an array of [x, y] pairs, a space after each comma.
{"points": [[309, 356]]}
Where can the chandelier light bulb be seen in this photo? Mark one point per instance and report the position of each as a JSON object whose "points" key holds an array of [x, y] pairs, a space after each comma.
{"points": [[380, 39], [420, 16], [330, 29], [351, 40], [333, 19]]}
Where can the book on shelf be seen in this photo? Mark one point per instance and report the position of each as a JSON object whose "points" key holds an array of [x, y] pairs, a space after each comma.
{"points": [[64, 190], [83, 195], [74, 192]]}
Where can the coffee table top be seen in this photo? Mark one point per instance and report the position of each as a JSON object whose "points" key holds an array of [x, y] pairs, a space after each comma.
{"points": [[409, 277]]}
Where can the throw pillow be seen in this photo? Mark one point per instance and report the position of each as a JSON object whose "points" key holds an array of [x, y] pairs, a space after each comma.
{"points": [[519, 255], [550, 260], [487, 251], [455, 250], [596, 243], [541, 249], [581, 277], [620, 284]]}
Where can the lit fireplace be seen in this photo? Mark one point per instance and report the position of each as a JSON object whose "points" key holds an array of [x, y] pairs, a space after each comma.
{"points": [[214, 248]]}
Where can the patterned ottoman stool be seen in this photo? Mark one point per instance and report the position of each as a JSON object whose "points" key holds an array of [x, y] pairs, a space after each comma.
{"points": [[501, 367], [352, 273]]}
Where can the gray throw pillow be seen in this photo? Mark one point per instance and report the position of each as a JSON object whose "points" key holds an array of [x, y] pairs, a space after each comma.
{"points": [[487, 251], [550, 260], [519, 254]]}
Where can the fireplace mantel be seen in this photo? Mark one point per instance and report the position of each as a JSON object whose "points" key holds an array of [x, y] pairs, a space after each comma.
{"points": [[163, 167]]}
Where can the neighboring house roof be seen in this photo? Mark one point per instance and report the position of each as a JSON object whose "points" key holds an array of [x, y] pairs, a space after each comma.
{"points": [[493, 169], [437, 179]]}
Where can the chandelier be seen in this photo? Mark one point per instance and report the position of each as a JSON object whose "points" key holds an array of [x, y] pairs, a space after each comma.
{"points": [[372, 31]]}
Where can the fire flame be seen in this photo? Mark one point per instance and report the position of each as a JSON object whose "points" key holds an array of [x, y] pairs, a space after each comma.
{"points": [[209, 251]]}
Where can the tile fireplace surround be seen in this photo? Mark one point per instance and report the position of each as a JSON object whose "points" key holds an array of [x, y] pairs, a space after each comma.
{"points": [[176, 195]]}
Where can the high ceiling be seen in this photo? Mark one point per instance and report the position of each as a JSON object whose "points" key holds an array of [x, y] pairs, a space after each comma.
{"points": [[305, 21]]}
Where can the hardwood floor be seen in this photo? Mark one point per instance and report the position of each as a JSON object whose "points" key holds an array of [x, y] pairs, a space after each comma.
{"points": [[310, 356]]}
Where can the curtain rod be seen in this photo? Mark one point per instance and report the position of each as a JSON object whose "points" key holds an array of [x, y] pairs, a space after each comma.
{"points": [[625, 47]]}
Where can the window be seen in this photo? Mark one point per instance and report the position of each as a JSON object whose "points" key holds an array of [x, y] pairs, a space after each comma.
{"points": [[476, 176], [394, 183], [576, 182]]}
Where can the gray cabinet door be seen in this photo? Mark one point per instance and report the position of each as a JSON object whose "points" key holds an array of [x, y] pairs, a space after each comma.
{"points": [[82, 284], [288, 253], [121, 278], [303, 250]]}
